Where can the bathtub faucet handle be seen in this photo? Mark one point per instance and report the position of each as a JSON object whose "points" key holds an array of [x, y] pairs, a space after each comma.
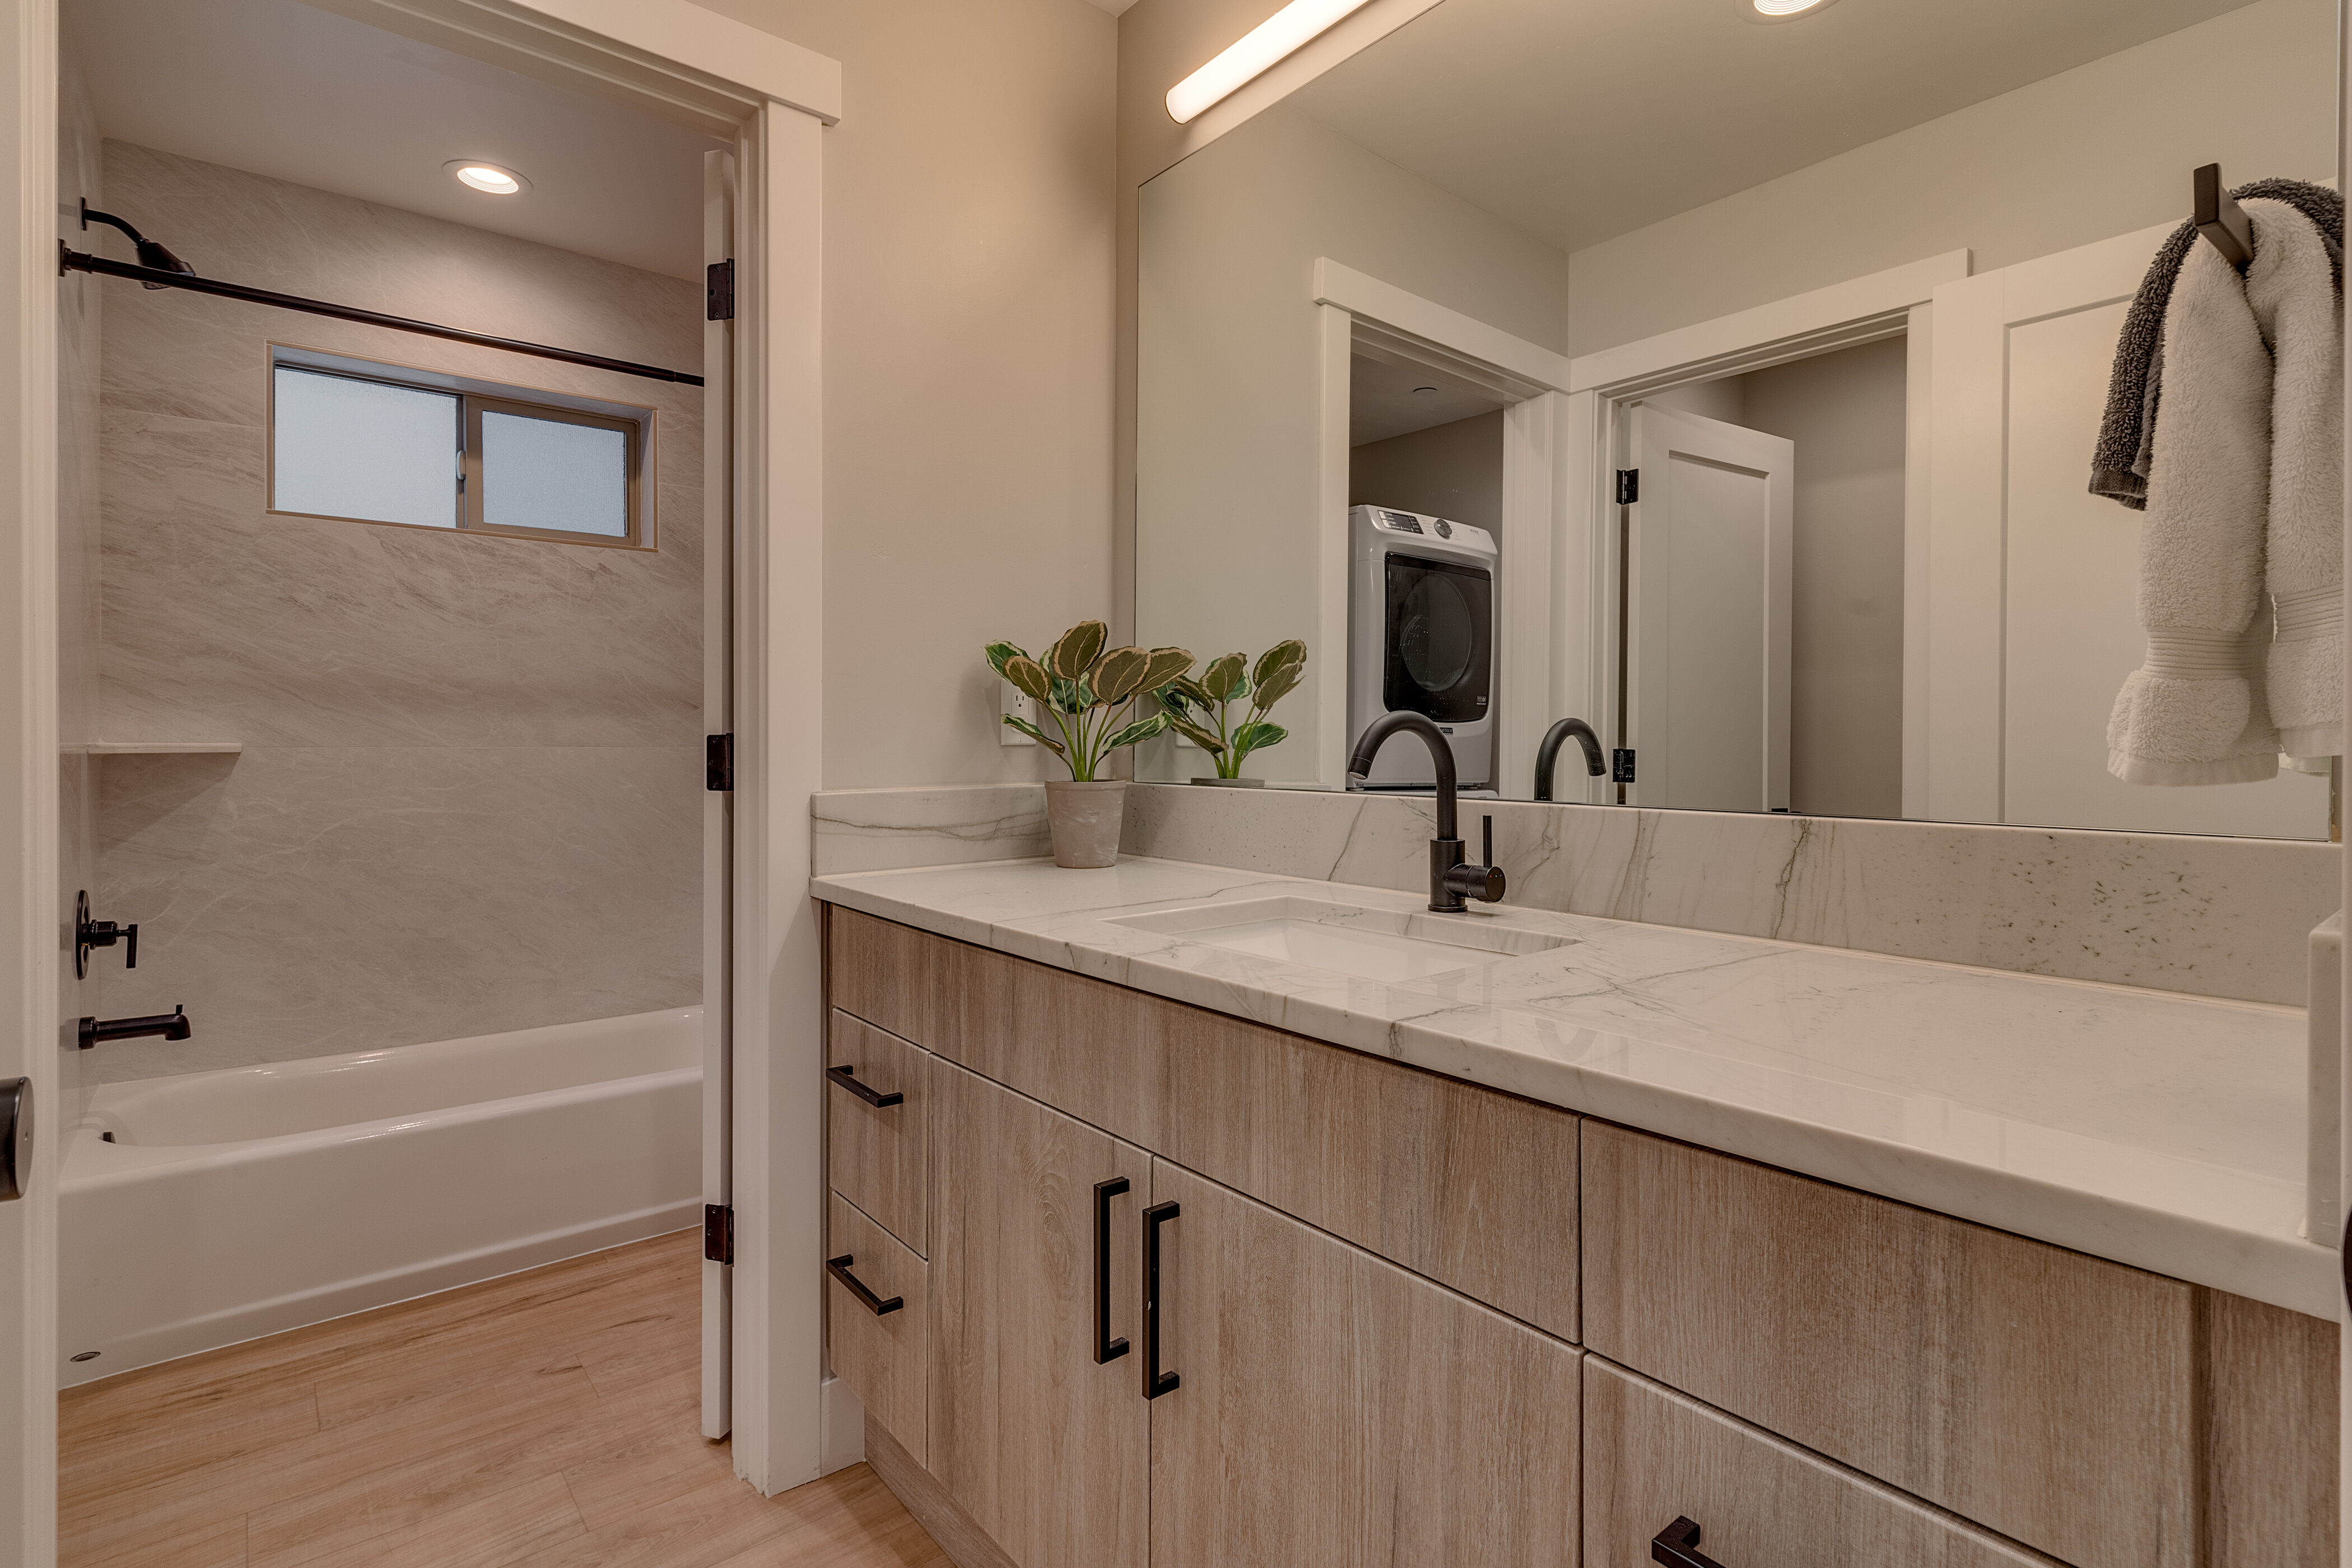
{"points": [[89, 934]]}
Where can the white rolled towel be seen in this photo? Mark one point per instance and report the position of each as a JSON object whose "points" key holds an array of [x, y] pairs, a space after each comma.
{"points": [[2291, 288], [2195, 713]]}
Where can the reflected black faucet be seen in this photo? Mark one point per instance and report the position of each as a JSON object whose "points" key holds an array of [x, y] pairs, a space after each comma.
{"points": [[171, 1026], [1449, 877], [1548, 754]]}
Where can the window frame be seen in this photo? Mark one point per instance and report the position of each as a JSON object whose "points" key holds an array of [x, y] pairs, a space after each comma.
{"points": [[475, 395]]}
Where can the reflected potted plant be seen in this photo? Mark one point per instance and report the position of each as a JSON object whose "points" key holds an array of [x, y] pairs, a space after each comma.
{"points": [[1090, 696], [1202, 711]]}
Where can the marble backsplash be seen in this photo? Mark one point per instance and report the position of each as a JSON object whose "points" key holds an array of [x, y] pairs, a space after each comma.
{"points": [[2213, 917], [470, 795]]}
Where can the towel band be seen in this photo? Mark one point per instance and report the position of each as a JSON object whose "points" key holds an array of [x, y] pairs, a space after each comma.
{"points": [[2306, 618], [2196, 656]]}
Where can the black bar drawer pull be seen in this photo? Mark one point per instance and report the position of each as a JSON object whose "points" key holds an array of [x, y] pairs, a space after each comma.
{"points": [[839, 1269], [1155, 1381], [1676, 1546], [848, 1079], [1106, 1348]]}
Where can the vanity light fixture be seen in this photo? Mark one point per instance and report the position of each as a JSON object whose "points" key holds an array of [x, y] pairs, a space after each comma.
{"points": [[495, 180], [1280, 34]]}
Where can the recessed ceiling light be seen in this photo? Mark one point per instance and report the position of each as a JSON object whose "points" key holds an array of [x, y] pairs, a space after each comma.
{"points": [[1781, 10], [1424, 389], [494, 180]]}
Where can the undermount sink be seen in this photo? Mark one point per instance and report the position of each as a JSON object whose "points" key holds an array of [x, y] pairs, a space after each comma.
{"points": [[1374, 944]]}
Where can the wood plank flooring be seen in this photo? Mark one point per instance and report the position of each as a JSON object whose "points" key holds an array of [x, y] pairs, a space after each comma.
{"points": [[548, 1419]]}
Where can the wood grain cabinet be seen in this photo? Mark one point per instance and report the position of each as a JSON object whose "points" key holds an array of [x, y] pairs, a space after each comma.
{"points": [[1402, 1319]]}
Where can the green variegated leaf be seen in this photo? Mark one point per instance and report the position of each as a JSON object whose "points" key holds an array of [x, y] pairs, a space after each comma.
{"points": [[1199, 735], [999, 652], [1141, 729], [1037, 735], [1076, 651], [1282, 653], [1118, 674], [1224, 679], [1257, 737], [1185, 692], [1279, 685], [1066, 696], [1167, 664], [1028, 675]]}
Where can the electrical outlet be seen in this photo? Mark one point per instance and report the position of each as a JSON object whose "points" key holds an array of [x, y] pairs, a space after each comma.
{"points": [[1013, 703]]}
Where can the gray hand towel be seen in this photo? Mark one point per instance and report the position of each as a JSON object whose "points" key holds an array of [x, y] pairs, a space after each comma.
{"points": [[2126, 450]]}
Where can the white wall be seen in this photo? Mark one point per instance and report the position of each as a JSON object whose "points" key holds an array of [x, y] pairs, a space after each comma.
{"points": [[968, 299], [1229, 391], [1453, 470], [2101, 150], [1845, 413]]}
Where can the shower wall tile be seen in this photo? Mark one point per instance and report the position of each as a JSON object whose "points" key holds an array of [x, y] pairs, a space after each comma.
{"points": [[308, 901], [470, 799], [2214, 917]]}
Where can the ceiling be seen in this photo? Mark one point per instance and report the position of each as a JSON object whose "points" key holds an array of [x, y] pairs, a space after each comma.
{"points": [[1385, 400], [1581, 119], [279, 88]]}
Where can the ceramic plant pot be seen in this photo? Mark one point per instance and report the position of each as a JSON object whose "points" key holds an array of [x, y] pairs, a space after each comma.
{"points": [[1085, 819], [1232, 784]]}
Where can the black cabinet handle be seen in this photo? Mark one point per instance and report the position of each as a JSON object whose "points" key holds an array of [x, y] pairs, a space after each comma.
{"points": [[1155, 1381], [1106, 1348], [839, 1269], [1676, 1546], [848, 1079]]}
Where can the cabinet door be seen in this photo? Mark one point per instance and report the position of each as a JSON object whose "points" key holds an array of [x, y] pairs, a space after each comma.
{"points": [[1331, 1409], [1047, 1448]]}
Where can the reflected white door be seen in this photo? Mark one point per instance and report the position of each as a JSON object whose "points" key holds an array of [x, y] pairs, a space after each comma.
{"points": [[1709, 634], [718, 889], [2032, 581]]}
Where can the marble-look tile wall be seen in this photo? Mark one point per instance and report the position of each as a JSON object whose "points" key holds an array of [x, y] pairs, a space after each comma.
{"points": [[946, 825], [2213, 917], [469, 798]]}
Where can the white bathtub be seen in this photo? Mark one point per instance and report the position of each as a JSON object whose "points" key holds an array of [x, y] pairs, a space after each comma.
{"points": [[242, 1202]]}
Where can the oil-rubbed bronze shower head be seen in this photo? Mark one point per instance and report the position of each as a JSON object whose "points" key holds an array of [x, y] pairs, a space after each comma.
{"points": [[151, 253]]}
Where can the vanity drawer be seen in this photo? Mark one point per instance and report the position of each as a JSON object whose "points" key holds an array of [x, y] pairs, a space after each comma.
{"points": [[1473, 1187], [2040, 1393], [875, 1154], [1653, 1457], [881, 1355]]}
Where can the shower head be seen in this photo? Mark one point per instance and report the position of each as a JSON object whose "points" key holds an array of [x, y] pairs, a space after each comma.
{"points": [[151, 253]]}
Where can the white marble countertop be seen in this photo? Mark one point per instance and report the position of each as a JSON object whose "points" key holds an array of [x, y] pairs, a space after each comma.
{"points": [[2161, 1130]]}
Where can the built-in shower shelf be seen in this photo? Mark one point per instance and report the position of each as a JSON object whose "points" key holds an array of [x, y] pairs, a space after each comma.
{"points": [[163, 748]]}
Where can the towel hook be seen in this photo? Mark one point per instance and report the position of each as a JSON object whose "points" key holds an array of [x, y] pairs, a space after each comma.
{"points": [[2221, 220]]}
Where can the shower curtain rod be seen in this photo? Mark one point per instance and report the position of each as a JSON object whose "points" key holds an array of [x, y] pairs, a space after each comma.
{"points": [[70, 261]]}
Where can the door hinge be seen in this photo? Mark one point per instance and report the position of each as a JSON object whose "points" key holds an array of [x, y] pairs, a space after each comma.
{"points": [[718, 1232], [719, 291], [1629, 486], [1621, 765], [718, 762]]}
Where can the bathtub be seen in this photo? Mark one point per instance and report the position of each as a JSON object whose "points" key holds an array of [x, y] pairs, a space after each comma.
{"points": [[239, 1203]]}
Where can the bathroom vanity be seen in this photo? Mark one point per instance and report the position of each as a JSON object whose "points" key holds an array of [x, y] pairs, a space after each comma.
{"points": [[1153, 1246]]}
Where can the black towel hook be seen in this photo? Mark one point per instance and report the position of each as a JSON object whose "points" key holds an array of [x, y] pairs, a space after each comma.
{"points": [[2220, 219]]}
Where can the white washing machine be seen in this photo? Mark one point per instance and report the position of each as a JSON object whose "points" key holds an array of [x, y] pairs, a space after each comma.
{"points": [[1420, 637]]}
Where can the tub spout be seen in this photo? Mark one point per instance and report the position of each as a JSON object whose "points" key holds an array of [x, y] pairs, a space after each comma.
{"points": [[171, 1026]]}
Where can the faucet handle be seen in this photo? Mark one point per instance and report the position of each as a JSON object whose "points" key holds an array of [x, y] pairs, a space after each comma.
{"points": [[1486, 838]]}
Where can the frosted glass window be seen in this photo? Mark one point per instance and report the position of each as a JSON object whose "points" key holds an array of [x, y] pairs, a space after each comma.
{"points": [[365, 449], [554, 476]]}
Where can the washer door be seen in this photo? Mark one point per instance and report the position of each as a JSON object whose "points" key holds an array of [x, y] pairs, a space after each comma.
{"points": [[1438, 638]]}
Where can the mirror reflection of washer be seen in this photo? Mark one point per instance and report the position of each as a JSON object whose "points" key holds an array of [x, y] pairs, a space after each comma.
{"points": [[1420, 638]]}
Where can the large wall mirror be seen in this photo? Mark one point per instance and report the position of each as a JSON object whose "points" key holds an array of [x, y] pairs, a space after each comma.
{"points": [[1730, 384]]}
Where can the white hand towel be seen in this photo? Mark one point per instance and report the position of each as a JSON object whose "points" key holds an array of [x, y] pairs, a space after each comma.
{"points": [[2194, 713], [2290, 288]]}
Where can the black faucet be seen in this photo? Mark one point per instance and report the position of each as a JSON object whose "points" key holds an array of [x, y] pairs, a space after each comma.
{"points": [[171, 1026], [1548, 754], [1449, 877]]}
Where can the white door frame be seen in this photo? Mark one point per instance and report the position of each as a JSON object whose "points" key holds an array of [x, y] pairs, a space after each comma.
{"points": [[1596, 420], [1356, 308], [773, 97]]}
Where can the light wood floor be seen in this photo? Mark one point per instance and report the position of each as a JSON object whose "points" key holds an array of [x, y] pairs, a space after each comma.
{"points": [[548, 1419]]}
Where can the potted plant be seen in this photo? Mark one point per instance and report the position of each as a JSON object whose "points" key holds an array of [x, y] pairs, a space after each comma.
{"points": [[1202, 711], [1090, 695]]}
